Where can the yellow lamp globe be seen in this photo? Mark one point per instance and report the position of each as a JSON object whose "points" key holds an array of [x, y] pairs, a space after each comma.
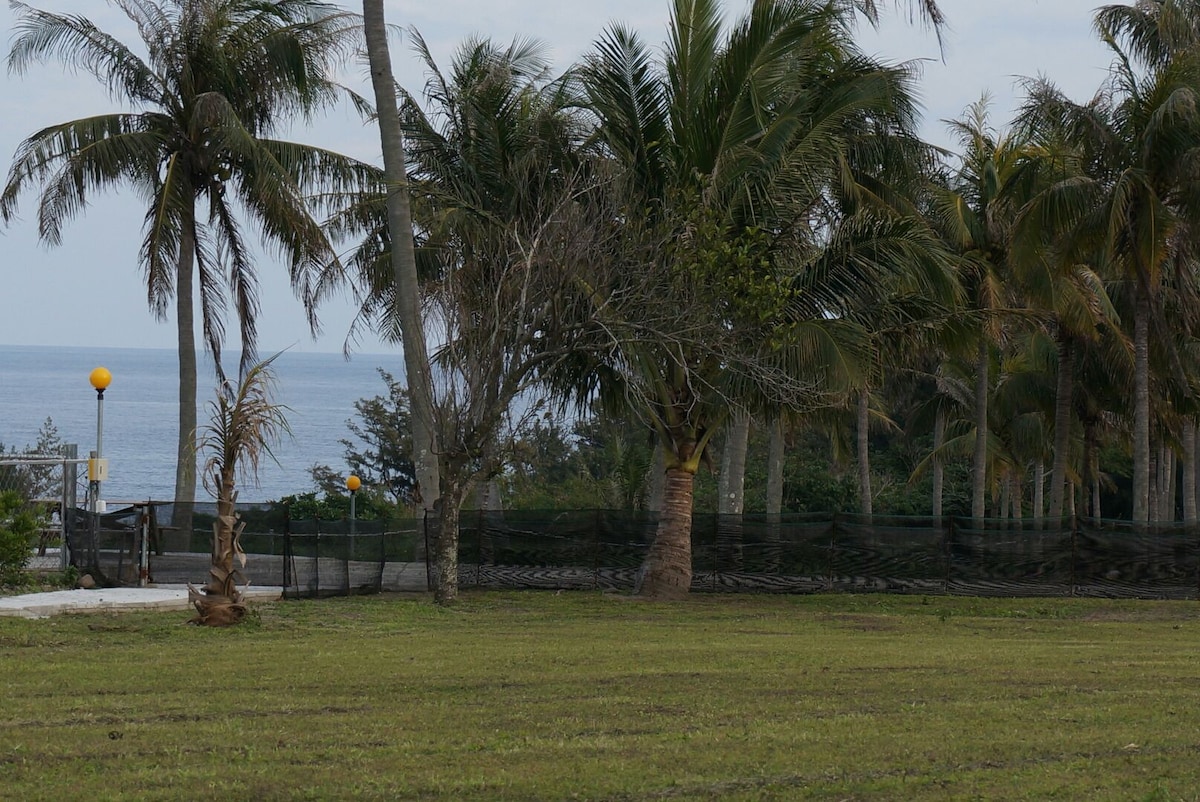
{"points": [[353, 483], [100, 379]]}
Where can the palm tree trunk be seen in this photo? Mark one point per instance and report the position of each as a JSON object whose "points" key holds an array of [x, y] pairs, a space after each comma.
{"points": [[939, 470], [1039, 493], [732, 491], [1005, 497], [445, 558], [185, 457], [404, 265], [1062, 427], [657, 479], [1152, 486], [1141, 409], [1091, 469], [219, 602], [864, 452], [775, 458], [732, 482], [1018, 500], [666, 572], [1172, 484], [979, 460], [1189, 472]]}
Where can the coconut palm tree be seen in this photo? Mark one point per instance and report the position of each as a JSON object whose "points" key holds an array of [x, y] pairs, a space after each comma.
{"points": [[244, 425], [1133, 205], [496, 166], [219, 77], [975, 212], [1056, 279], [727, 151], [405, 289]]}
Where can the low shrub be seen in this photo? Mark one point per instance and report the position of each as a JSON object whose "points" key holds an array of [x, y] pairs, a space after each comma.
{"points": [[18, 528]]}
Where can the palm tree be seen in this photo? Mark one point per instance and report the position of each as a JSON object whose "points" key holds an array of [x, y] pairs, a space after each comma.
{"points": [[1059, 281], [727, 151], [243, 427], [405, 284], [975, 213], [219, 77], [1133, 204], [496, 168]]}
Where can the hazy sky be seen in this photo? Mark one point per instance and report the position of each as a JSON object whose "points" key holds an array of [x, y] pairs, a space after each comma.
{"points": [[90, 290]]}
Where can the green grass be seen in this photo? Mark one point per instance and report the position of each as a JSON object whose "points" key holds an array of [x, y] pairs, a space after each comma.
{"points": [[536, 696]]}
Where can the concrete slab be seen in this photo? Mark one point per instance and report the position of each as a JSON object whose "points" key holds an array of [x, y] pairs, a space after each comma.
{"points": [[161, 597]]}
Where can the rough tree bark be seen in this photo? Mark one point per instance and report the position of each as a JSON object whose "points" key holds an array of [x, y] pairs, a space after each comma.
{"points": [[1141, 409], [775, 458], [666, 572], [979, 459], [185, 459], [939, 469], [865, 505], [732, 481], [404, 265], [1189, 472], [1062, 428]]}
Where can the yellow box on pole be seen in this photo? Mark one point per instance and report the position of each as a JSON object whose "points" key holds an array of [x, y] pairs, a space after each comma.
{"points": [[98, 470]]}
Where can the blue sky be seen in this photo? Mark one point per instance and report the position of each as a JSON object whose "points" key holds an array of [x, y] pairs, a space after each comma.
{"points": [[89, 290]]}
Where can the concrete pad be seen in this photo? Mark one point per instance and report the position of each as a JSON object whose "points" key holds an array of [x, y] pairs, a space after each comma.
{"points": [[162, 597]]}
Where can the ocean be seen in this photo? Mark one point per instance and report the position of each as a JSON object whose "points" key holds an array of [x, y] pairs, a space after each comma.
{"points": [[141, 412]]}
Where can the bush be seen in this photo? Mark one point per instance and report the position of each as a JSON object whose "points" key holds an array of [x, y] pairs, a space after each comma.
{"points": [[18, 528]]}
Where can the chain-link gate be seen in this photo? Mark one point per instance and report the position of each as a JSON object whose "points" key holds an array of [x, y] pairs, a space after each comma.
{"points": [[50, 485]]}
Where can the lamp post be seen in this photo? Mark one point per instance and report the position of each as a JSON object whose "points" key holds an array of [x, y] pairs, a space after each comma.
{"points": [[353, 483], [99, 378]]}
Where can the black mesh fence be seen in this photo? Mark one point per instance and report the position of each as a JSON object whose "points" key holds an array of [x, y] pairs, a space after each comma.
{"points": [[602, 549]]}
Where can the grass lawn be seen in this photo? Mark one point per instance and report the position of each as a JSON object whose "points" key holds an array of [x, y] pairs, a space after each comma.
{"points": [[537, 696]]}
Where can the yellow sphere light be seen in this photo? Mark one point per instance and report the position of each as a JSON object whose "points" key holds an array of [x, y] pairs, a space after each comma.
{"points": [[100, 378], [353, 483]]}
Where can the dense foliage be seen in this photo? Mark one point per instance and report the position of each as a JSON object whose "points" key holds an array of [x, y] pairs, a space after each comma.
{"points": [[623, 268]]}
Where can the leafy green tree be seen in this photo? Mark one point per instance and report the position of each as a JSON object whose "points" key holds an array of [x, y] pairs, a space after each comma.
{"points": [[35, 481], [381, 452], [18, 527], [495, 177], [219, 77]]}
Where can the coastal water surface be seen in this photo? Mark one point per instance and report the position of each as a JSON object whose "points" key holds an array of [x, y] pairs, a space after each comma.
{"points": [[141, 411]]}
